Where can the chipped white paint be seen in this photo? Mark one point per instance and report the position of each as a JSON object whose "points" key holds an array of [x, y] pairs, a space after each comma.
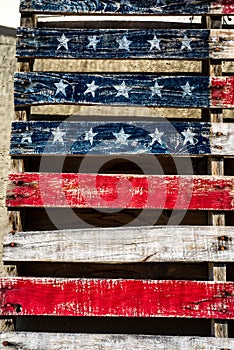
{"points": [[123, 245], [58, 341]]}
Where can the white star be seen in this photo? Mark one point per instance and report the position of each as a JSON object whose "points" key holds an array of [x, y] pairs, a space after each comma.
{"points": [[156, 136], [58, 135], [93, 41], [188, 136], [154, 43], [63, 42], [156, 89], [187, 89], [27, 138], [91, 88], [186, 43], [89, 135], [60, 88], [124, 43], [122, 90], [121, 137]]}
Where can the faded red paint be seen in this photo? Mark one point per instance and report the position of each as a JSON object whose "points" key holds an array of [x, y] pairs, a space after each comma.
{"points": [[101, 297], [222, 92], [226, 6], [120, 191]]}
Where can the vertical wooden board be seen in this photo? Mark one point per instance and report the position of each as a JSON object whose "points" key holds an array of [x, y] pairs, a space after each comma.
{"points": [[124, 298], [81, 138], [57, 341], [120, 191], [157, 7]]}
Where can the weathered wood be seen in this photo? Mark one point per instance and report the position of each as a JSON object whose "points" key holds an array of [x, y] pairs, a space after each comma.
{"points": [[123, 89], [106, 297], [57, 341], [73, 43], [120, 191], [157, 7], [122, 245], [80, 138]]}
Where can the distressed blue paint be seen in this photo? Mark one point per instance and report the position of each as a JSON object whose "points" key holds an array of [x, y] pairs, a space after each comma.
{"points": [[158, 7], [44, 42], [40, 88], [34, 138]]}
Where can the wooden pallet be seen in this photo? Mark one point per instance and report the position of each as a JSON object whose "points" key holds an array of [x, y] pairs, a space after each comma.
{"points": [[71, 261]]}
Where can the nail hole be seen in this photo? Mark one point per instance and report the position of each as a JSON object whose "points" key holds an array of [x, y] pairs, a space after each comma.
{"points": [[18, 308]]}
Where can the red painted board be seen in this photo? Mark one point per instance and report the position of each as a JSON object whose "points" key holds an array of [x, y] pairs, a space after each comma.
{"points": [[129, 298], [222, 91], [120, 191]]}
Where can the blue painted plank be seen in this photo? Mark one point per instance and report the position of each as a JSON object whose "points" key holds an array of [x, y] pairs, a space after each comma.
{"points": [[157, 7], [112, 89], [92, 43], [98, 138]]}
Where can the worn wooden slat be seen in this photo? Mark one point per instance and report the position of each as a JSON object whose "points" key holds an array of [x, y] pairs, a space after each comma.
{"points": [[116, 297], [176, 44], [123, 89], [57, 341], [80, 138], [122, 245], [120, 191], [157, 7]]}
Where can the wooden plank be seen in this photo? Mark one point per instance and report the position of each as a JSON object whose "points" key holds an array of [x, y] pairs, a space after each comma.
{"points": [[157, 7], [81, 138], [124, 89], [57, 341], [104, 44], [123, 298], [122, 245], [120, 191]]}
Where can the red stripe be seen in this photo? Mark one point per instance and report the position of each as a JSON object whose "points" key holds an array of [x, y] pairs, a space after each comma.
{"points": [[226, 5], [131, 298], [120, 191], [222, 92]]}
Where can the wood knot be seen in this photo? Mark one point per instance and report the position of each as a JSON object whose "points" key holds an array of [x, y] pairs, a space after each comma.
{"points": [[219, 133]]}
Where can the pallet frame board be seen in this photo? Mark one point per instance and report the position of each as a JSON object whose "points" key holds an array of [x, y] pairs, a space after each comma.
{"points": [[122, 245], [118, 297], [123, 90], [154, 7], [132, 138], [110, 43], [120, 191], [56, 341]]}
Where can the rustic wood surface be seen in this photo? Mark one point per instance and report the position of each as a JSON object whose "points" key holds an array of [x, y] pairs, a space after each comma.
{"points": [[124, 89], [122, 43], [122, 245], [120, 191], [57, 341], [157, 7], [108, 297], [81, 138]]}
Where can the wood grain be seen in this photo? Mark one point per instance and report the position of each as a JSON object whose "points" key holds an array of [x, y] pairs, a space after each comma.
{"points": [[156, 7], [123, 298], [122, 245], [133, 138], [124, 90], [57, 341], [120, 191], [122, 43]]}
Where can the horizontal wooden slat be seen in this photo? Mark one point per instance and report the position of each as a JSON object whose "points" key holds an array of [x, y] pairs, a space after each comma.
{"points": [[125, 89], [122, 245], [71, 138], [116, 297], [177, 44], [157, 7], [57, 341], [120, 191]]}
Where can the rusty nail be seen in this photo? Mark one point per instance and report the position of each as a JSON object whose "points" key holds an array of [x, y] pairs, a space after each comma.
{"points": [[222, 248], [5, 343], [218, 147], [12, 244], [219, 133], [12, 232]]}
